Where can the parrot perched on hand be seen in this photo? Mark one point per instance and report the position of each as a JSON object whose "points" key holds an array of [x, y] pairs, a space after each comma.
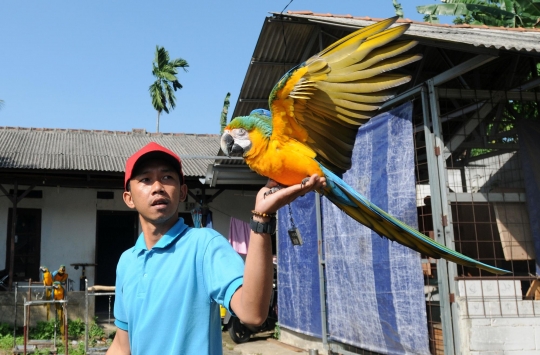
{"points": [[58, 294], [315, 111], [47, 282]]}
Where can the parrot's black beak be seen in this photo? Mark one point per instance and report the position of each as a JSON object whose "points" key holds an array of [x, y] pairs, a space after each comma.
{"points": [[227, 142], [229, 147]]}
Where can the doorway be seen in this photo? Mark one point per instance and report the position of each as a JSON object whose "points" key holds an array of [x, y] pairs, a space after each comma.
{"points": [[116, 231], [27, 244]]}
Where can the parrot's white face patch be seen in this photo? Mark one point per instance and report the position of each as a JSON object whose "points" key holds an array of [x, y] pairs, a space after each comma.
{"points": [[241, 137]]}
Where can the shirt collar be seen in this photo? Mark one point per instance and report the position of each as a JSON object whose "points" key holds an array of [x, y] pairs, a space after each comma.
{"points": [[165, 240]]}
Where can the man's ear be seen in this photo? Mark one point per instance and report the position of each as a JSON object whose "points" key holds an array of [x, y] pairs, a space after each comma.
{"points": [[183, 192], [128, 199]]}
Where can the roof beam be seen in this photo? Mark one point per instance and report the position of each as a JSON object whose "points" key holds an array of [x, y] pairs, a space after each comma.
{"points": [[442, 78], [462, 68], [262, 62], [253, 100], [487, 95]]}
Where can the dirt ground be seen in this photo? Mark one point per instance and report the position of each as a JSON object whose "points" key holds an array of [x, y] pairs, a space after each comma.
{"points": [[258, 340]]}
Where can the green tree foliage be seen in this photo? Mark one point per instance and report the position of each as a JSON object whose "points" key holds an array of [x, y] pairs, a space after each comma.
{"points": [[225, 111], [505, 13], [162, 90], [398, 8], [502, 130]]}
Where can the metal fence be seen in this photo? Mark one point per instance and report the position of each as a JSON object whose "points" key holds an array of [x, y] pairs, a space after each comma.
{"points": [[469, 142]]}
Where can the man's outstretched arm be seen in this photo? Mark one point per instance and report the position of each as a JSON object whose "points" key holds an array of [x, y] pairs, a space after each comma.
{"points": [[251, 301]]}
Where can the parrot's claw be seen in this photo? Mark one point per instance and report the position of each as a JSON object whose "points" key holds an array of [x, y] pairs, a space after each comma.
{"points": [[273, 190], [304, 181]]}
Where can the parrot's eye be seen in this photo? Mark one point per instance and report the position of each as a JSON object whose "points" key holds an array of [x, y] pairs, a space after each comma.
{"points": [[240, 132]]}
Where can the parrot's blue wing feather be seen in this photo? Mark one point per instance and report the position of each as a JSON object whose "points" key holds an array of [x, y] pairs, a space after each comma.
{"points": [[365, 212]]}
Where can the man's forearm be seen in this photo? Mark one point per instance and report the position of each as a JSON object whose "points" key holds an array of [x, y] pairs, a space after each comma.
{"points": [[258, 278], [251, 301]]}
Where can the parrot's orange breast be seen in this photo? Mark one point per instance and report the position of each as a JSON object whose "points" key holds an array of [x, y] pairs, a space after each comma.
{"points": [[287, 162]]}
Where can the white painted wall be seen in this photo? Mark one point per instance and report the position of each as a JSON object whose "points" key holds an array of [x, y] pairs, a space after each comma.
{"points": [[495, 320], [229, 204], [68, 222]]}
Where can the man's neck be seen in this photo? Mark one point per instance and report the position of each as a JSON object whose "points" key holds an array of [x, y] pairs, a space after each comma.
{"points": [[153, 231]]}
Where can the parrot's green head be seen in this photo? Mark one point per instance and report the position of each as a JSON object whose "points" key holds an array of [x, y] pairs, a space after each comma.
{"points": [[245, 131]]}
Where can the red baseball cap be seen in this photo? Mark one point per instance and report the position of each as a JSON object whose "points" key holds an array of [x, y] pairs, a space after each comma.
{"points": [[160, 151]]}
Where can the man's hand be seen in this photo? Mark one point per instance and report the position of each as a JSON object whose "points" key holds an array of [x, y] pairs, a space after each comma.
{"points": [[273, 202]]}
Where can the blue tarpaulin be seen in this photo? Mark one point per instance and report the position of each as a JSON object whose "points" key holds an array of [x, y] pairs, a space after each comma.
{"points": [[299, 305], [375, 297]]}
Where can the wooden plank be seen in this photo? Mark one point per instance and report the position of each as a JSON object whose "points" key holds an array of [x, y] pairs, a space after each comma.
{"points": [[533, 292]]}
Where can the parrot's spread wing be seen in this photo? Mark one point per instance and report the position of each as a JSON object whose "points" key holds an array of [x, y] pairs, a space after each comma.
{"points": [[323, 101]]}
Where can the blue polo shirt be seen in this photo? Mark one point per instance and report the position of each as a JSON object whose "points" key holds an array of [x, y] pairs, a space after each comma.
{"points": [[167, 298]]}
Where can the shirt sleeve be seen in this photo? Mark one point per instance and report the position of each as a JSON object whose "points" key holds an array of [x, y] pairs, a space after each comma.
{"points": [[223, 270], [119, 310]]}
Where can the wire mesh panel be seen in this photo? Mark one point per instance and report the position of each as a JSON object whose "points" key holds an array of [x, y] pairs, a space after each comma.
{"points": [[485, 186]]}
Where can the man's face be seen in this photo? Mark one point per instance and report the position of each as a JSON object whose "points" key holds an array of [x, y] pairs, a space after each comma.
{"points": [[155, 191]]}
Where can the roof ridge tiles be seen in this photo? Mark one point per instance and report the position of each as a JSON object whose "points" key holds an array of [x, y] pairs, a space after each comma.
{"points": [[367, 18], [107, 132]]}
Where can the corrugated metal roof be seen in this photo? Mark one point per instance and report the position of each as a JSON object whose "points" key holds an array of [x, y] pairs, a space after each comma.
{"points": [[511, 39], [289, 39], [98, 151]]}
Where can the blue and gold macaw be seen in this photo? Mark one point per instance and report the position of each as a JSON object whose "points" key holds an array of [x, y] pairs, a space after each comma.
{"points": [[60, 275], [316, 109], [58, 295], [47, 282]]}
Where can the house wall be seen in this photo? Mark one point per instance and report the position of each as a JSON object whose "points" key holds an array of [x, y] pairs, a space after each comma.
{"points": [[496, 320], [68, 222], [229, 204]]}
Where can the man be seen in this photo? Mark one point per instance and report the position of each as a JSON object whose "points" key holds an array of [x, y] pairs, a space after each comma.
{"points": [[170, 284]]}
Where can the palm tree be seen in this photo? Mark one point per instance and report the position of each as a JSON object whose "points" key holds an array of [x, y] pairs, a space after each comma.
{"points": [[506, 13], [161, 91]]}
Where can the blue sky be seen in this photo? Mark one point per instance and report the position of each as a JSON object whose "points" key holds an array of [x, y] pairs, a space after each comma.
{"points": [[87, 64]]}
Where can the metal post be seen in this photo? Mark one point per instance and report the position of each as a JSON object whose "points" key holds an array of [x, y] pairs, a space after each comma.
{"points": [[64, 306], [436, 212], [86, 316], [27, 316], [109, 320], [15, 318], [55, 322], [25, 326], [322, 283], [448, 229], [12, 234], [441, 212]]}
